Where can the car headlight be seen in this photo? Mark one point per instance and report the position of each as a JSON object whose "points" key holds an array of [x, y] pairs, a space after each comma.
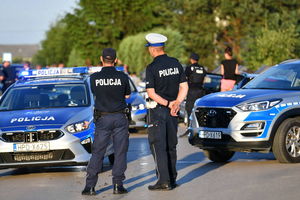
{"points": [[257, 106], [77, 127], [138, 107]]}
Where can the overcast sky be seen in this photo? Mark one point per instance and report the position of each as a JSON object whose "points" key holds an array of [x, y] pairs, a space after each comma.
{"points": [[26, 21]]}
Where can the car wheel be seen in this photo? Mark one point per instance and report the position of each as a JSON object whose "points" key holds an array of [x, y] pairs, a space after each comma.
{"points": [[111, 159], [132, 130], [286, 145], [218, 155]]}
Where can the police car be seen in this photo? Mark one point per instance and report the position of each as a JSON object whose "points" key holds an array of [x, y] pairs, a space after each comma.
{"points": [[262, 116], [47, 119]]}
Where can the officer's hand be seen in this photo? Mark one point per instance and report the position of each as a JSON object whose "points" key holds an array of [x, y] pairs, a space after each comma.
{"points": [[174, 106]]}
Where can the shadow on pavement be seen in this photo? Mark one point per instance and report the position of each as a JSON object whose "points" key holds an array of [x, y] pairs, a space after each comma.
{"points": [[252, 156], [181, 164], [33, 170], [200, 171], [138, 148]]}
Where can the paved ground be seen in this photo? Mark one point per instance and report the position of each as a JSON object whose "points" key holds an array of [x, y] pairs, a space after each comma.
{"points": [[247, 176]]}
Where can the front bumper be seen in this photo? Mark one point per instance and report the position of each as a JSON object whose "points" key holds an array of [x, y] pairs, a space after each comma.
{"points": [[228, 143], [67, 150]]}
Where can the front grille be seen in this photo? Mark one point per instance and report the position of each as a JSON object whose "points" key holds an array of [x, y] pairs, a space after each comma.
{"points": [[214, 117], [55, 155], [34, 136]]}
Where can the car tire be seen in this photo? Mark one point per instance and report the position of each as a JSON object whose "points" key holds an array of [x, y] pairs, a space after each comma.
{"points": [[132, 130], [218, 155], [111, 159], [286, 144]]}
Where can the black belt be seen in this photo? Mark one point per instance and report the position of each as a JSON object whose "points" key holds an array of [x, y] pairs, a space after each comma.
{"points": [[106, 113], [124, 111]]}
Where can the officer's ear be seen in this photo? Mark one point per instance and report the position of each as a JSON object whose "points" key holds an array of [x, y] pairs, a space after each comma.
{"points": [[116, 61], [101, 59]]}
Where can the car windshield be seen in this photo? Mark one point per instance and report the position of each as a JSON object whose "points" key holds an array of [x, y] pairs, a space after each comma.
{"points": [[45, 96], [281, 77]]}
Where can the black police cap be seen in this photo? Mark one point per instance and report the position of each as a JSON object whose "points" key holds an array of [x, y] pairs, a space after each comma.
{"points": [[194, 56], [109, 54]]}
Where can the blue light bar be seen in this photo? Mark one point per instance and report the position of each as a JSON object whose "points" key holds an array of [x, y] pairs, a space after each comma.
{"points": [[69, 71]]}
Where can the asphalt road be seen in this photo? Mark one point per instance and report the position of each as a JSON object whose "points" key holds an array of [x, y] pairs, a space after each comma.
{"points": [[247, 176]]}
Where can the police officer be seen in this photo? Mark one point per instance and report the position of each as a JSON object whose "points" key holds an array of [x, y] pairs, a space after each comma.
{"points": [[195, 74], [166, 85], [110, 88], [7, 75]]}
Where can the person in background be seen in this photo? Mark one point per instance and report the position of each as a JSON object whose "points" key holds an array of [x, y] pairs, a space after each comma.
{"points": [[7, 75], [38, 67], [229, 68], [61, 65], [195, 74], [26, 66]]}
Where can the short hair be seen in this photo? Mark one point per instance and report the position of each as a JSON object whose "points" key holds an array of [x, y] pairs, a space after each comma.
{"points": [[228, 50], [108, 61]]}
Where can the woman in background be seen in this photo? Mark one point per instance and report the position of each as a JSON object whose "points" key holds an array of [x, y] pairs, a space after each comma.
{"points": [[229, 68]]}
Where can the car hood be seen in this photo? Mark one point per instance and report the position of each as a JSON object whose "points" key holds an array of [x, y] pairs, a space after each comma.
{"points": [[39, 119], [233, 98]]}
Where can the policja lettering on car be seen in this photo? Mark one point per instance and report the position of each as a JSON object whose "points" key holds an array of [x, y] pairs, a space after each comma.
{"points": [[31, 119]]}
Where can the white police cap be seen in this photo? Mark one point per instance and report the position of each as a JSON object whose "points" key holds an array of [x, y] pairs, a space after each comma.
{"points": [[155, 40]]}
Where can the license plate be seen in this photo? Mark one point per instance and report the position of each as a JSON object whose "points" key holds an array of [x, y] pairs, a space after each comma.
{"points": [[31, 147], [210, 134]]}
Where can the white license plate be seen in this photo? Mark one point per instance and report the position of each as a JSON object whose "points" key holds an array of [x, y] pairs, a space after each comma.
{"points": [[210, 134], [25, 147]]}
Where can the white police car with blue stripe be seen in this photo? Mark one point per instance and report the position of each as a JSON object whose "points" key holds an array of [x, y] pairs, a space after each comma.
{"points": [[263, 116], [47, 119]]}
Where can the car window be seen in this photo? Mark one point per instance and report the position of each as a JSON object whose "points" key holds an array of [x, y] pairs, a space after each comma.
{"points": [[45, 96], [212, 82], [279, 77]]}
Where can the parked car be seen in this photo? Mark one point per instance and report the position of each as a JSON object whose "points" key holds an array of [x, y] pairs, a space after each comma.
{"points": [[212, 84], [262, 116], [47, 119]]}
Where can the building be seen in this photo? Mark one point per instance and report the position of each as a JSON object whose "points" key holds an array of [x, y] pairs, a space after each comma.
{"points": [[25, 51]]}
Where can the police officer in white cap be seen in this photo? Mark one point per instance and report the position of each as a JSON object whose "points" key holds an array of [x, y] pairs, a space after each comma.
{"points": [[166, 85]]}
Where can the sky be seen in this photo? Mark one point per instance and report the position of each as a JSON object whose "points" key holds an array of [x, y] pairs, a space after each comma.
{"points": [[26, 21]]}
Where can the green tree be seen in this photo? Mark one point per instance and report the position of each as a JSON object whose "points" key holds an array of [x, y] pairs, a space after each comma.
{"points": [[99, 24], [243, 23], [132, 50], [195, 19], [56, 47], [75, 59], [271, 47]]}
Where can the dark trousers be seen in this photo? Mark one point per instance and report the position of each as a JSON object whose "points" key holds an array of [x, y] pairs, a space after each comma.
{"points": [[192, 96], [115, 127], [162, 135]]}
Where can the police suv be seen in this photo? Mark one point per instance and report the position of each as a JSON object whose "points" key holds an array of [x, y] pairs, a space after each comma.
{"points": [[262, 116], [47, 119]]}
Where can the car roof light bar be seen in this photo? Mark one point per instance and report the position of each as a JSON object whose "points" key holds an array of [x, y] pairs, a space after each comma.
{"points": [[68, 71]]}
